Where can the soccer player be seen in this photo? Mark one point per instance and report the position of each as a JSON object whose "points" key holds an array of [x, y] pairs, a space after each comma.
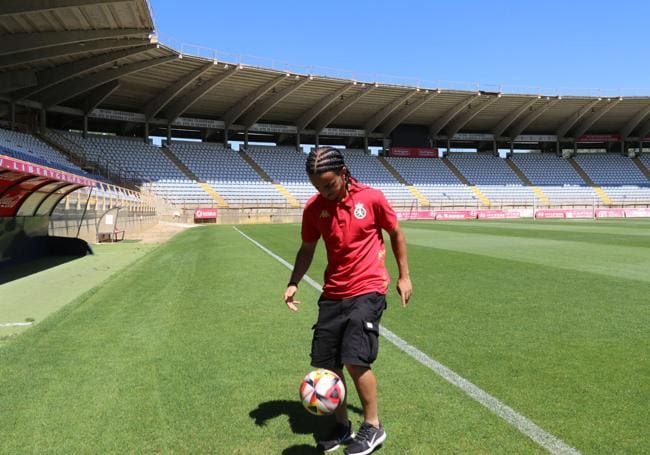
{"points": [[349, 217]]}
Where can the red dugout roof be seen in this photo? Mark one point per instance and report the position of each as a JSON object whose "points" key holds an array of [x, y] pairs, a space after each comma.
{"points": [[28, 189]]}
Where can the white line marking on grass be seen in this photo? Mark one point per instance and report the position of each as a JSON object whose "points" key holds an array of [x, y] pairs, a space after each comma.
{"points": [[524, 425], [15, 324]]}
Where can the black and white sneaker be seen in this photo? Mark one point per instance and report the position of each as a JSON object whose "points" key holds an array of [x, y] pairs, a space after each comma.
{"points": [[367, 439], [341, 434]]}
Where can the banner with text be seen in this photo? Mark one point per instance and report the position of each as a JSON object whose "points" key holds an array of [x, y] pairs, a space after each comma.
{"points": [[205, 214], [413, 152]]}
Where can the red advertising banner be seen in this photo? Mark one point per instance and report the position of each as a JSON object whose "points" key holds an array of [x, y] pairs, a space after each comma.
{"points": [[550, 214], [455, 215], [600, 138], [577, 213], [413, 152], [610, 213], [490, 214], [450, 215], [24, 167], [637, 213], [416, 215], [205, 214]]}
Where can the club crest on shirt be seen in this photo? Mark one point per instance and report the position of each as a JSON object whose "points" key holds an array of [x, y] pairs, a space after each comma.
{"points": [[324, 214], [359, 211]]}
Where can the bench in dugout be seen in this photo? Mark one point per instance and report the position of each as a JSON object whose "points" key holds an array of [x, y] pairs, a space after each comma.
{"points": [[107, 227]]}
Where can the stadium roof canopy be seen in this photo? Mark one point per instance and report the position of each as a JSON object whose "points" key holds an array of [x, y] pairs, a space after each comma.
{"points": [[100, 61]]}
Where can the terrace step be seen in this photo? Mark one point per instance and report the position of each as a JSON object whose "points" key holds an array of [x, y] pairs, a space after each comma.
{"points": [[422, 199], [256, 167], [389, 167], [642, 167], [604, 197], [221, 202], [456, 172], [526, 181], [480, 195], [581, 172], [287, 195], [543, 198], [180, 165]]}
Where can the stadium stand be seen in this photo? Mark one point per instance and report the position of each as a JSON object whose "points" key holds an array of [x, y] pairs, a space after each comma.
{"points": [[484, 169], [546, 169], [26, 147], [146, 160], [434, 180], [227, 173], [611, 169], [370, 171], [645, 159], [285, 165]]}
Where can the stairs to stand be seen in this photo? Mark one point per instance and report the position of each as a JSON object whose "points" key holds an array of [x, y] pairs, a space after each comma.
{"points": [[256, 167], [221, 202], [287, 195], [604, 197], [543, 198], [454, 170], [179, 164], [480, 195], [422, 199], [642, 167], [389, 167]]}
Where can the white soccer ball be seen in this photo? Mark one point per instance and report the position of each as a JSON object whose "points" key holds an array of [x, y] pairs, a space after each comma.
{"points": [[322, 391]]}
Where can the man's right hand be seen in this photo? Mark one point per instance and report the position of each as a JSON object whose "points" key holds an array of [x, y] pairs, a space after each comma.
{"points": [[288, 297]]}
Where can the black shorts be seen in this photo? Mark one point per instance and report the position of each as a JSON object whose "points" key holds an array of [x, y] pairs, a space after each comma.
{"points": [[347, 331]]}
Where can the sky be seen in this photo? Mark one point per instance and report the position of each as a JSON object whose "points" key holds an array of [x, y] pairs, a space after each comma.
{"points": [[549, 47]]}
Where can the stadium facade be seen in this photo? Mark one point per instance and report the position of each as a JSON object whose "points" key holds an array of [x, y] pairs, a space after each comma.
{"points": [[84, 84]]}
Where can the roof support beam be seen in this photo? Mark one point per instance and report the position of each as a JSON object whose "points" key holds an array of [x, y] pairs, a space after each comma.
{"points": [[68, 49], [403, 114], [247, 101], [566, 126], [380, 116], [592, 118], [522, 124], [644, 130], [73, 87], [333, 112], [258, 111], [97, 96], [634, 122], [16, 80], [34, 6], [309, 115], [155, 104], [445, 118], [185, 101], [512, 116], [22, 42], [472, 111], [61, 73]]}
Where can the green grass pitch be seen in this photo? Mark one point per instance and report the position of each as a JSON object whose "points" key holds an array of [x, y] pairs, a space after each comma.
{"points": [[190, 349]]}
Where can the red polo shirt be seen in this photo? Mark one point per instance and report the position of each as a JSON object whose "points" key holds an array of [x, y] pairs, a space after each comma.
{"points": [[351, 230]]}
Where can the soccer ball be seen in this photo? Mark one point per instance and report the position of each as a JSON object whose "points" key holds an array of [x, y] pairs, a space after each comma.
{"points": [[321, 392]]}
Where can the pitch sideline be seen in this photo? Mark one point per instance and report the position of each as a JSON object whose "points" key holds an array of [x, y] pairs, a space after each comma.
{"points": [[544, 439]]}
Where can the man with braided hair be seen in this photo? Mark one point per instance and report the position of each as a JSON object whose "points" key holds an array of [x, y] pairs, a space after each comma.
{"points": [[349, 217]]}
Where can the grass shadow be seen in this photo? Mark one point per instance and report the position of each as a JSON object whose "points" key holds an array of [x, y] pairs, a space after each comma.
{"points": [[300, 422], [14, 270]]}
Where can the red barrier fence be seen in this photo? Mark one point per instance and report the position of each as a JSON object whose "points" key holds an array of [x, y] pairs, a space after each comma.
{"points": [[450, 215]]}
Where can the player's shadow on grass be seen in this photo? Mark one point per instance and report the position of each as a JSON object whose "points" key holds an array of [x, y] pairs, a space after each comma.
{"points": [[300, 422]]}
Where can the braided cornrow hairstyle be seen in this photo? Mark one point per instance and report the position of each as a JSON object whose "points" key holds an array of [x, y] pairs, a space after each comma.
{"points": [[324, 159]]}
